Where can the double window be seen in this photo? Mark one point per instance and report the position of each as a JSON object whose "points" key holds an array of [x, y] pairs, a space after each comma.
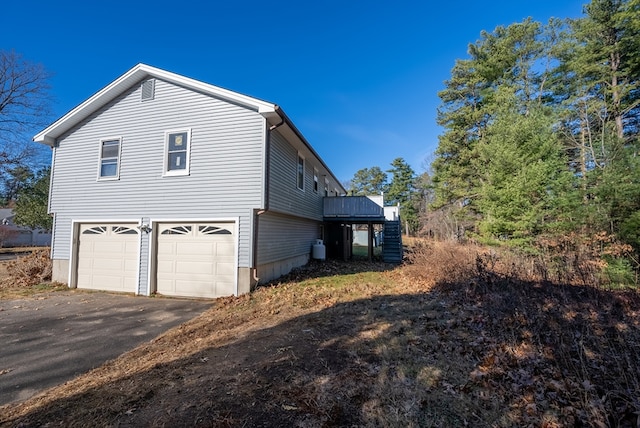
{"points": [[177, 152], [109, 168]]}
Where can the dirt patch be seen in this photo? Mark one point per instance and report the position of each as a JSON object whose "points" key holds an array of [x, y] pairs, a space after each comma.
{"points": [[364, 345]]}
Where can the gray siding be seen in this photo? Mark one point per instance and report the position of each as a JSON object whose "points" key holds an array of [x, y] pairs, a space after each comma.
{"points": [[226, 174], [281, 237], [284, 195]]}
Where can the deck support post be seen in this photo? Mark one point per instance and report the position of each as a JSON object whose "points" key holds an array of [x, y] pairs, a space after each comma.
{"points": [[370, 247]]}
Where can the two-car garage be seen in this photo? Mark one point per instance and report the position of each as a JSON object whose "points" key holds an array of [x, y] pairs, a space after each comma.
{"points": [[190, 259]]}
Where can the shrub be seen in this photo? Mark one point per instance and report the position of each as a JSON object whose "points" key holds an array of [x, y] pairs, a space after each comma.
{"points": [[29, 270], [442, 261]]}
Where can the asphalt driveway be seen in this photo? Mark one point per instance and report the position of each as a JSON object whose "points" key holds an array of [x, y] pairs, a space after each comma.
{"points": [[49, 340]]}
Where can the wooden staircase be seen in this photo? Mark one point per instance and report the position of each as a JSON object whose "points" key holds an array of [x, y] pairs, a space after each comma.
{"points": [[392, 247]]}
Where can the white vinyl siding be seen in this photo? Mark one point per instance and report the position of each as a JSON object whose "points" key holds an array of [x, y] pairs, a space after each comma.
{"points": [[285, 197], [281, 237], [225, 175]]}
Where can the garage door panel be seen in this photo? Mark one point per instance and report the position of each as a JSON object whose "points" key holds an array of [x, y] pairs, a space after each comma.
{"points": [[195, 268], [227, 269], [166, 248], [195, 248], [224, 249], [196, 259], [107, 257], [226, 288]]}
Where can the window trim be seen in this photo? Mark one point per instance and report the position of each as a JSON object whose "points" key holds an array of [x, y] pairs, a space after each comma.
{"points": [[166, 172], [300, 177], [326, 187], [118, 159]]}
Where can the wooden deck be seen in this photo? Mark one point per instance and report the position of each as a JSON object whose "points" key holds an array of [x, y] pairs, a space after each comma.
{"points": [[353, 209]]}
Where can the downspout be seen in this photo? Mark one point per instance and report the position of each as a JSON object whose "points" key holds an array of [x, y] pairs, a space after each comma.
{"points": [[267, 161], [267, 175]]}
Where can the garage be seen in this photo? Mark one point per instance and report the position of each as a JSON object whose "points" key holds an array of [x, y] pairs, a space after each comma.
{"points": [[108, 257], [196, 259]]}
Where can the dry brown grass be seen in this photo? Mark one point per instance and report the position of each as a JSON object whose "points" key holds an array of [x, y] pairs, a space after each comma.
{"points": [[447, 340], [32, 269], [27, 275]]}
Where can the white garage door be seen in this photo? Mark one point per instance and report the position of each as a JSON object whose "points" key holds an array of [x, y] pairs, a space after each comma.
{"points": [[108, 257], [196, 259]]}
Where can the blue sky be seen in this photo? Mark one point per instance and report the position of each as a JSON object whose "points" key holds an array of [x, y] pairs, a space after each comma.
{"points": [[359, 79]]}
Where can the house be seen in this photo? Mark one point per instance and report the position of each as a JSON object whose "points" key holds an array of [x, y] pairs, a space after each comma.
{"points": [[165, 184], [12, 235]]}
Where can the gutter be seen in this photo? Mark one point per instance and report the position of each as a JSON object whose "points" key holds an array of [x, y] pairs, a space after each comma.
{"points": [[267, 161], [285, 119]]}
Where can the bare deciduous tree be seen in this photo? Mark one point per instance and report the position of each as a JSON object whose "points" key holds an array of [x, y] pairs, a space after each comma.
{"points": [[24, 107]]}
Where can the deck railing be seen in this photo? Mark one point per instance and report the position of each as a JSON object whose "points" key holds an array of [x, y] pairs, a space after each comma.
{"points": [[352, 206]]}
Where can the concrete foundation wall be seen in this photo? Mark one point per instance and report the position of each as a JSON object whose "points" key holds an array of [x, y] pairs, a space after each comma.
{"points": [[60, 270], [273, 270], [246, 280]]}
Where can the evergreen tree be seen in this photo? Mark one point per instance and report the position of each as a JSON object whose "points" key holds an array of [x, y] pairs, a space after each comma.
{"points": [[402, 191], [368, 181], [31, 207]]}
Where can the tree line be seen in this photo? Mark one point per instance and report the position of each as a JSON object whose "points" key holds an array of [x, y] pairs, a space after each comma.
{"points": [[540, 140], [400, 185], [541, 132]]}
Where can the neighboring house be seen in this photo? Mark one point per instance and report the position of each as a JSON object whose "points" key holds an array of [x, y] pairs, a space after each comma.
{"points": [[165, 184], [12, 235]]}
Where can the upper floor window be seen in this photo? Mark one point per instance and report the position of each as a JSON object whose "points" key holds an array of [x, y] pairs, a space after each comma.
{"points": [[326, 187], [300, 174], [109, 168], [315, 180], [177, 152]]}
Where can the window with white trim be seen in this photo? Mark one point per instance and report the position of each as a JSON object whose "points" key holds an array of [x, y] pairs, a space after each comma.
{"points": [[315, 180], [109, 168], [326, 187], [177, 152], [300, 172]]}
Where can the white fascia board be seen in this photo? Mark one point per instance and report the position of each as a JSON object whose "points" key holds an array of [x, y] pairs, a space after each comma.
{"points": [[260, 106], [82, 111], [136, 74]]}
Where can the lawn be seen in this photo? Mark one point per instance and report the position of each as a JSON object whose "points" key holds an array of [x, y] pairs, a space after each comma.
{"points": [[368, 344]]}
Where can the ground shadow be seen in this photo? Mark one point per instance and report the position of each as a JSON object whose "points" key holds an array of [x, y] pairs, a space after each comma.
{"points": [[485, 354]]}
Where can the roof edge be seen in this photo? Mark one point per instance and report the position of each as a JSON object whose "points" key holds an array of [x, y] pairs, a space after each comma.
{"points": [[135, 74], [296, 131]]}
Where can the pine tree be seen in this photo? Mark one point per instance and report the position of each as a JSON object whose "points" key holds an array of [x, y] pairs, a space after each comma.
{"points": [[402, 191]]}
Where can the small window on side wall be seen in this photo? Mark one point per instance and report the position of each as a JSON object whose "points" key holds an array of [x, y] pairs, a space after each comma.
{"points": [[177, 152], [300, 175], [109, 168], [315, 180]]}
